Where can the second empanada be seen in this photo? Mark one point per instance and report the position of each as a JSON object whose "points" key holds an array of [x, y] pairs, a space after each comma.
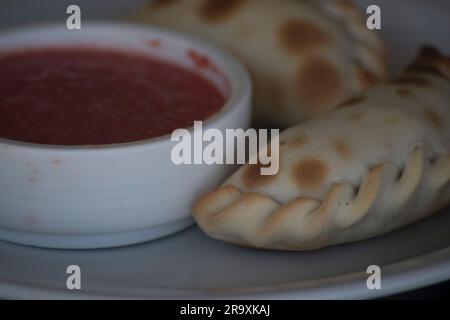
{"points": [[304, 56], [379, 162]]}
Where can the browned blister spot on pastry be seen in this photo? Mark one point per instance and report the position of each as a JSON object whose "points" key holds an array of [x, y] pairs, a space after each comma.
{"points": [[352, 101], [218, 10], [297, 36], [342, 148], [366, 77], [310, 173], [434, 118], [414, 80], [404, 93], [252, 177], [157, 4], [318, 83]]}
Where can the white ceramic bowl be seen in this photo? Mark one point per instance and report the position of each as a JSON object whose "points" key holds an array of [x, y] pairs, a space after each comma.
{"points": [[112, 195]]}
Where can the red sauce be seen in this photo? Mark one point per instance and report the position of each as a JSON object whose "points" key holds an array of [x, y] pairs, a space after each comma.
{"points": [[84, 96]]}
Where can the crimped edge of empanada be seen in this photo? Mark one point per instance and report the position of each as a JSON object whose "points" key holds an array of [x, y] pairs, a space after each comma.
{"points": [[256, 220]]}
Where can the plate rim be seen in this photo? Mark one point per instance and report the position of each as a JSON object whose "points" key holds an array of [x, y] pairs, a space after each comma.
{"points": [[427, 269]]}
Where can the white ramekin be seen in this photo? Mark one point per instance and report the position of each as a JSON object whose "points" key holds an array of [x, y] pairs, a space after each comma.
{"points": [[119, 194]]}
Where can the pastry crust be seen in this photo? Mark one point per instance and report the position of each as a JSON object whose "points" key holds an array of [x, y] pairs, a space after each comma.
{"points": [[305, 57], [379, 162]]}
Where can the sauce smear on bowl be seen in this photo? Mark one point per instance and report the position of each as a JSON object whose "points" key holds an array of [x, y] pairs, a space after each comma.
{"points": [[87, 96]]}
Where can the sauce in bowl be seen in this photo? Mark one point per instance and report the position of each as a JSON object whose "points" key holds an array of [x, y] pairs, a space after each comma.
{"points": [[92, 96]]}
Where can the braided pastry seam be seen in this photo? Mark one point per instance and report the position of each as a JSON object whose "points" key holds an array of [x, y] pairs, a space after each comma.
{"points": [[263, 221]]}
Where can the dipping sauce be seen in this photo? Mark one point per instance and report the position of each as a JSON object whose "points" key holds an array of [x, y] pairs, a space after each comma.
{"points": [[87, 96]]}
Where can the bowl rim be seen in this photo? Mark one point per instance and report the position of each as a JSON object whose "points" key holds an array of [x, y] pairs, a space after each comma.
{"points": [[234, 71]]}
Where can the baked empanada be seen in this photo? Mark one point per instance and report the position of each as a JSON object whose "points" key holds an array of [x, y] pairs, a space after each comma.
{"points": [[304, 56], [378, 162]]}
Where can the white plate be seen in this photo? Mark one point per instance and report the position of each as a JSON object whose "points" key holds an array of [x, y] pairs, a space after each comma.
{"points": [[190, 265]]}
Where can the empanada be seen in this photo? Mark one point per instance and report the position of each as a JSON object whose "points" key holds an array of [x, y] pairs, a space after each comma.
{"points": [[378, 162], [304, 56]]}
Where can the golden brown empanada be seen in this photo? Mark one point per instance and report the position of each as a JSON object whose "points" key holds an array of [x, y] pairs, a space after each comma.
{"points": [[304, 56], [379, 162]]}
